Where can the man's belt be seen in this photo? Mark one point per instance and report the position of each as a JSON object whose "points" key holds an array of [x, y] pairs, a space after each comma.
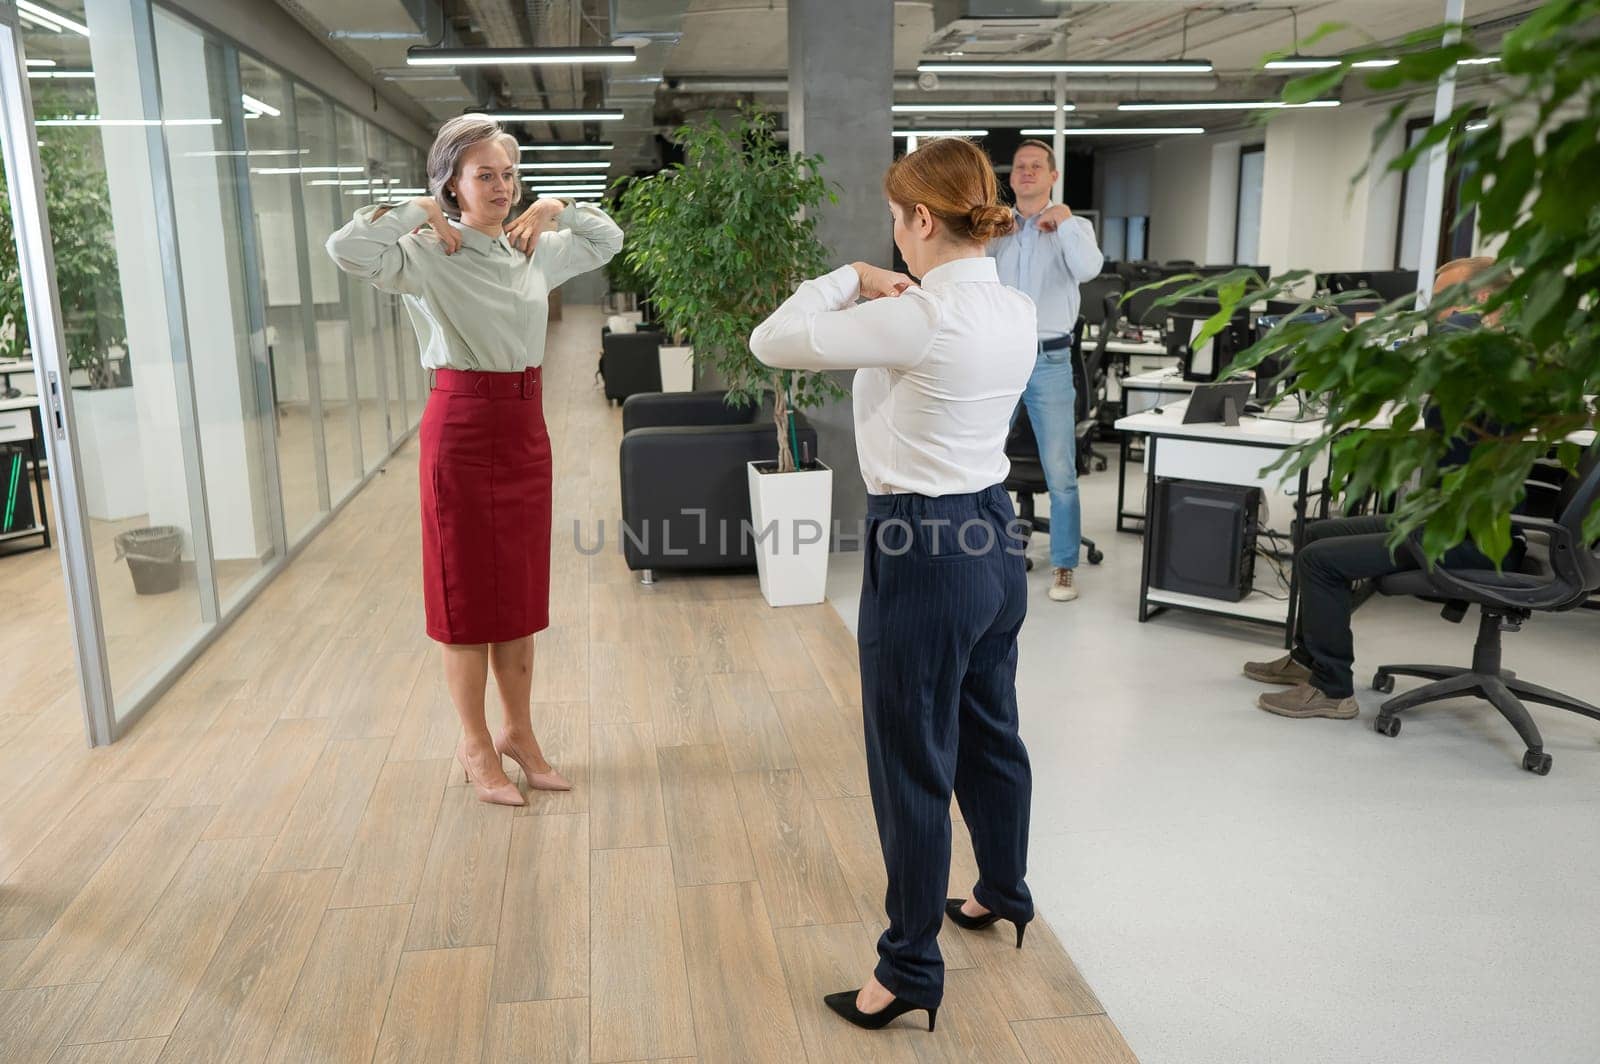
{"points": [[1056, 343]]}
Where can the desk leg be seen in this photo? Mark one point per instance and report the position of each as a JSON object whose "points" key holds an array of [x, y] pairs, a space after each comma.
{"points": [[1297, 536], [38, 449], [1152, 525], [1122, 476]]}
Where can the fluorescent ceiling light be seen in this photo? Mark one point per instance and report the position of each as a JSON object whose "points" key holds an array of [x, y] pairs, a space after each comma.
{"points": [[1481, 60], [1477, 127], [977, 108], [575, 164], [553, 116], [565, 147], [1219, 105], [96, 120], [384, 191], [253, 154], [26, 7], [418, 55], [558, 183], [1310, 62], [306, 170], [1053, 66], [1120, 131], [41, 62], [941, 132], [37, 22], [362, 181], [80, 74], [260, 107]]}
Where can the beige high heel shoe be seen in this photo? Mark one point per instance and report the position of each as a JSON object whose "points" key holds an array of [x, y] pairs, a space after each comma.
{"points": [[539, 781], [497, 794]]}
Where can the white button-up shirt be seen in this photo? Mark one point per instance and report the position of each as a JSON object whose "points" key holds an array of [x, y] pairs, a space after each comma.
{"points": [[939, 370], [1049, 267]]}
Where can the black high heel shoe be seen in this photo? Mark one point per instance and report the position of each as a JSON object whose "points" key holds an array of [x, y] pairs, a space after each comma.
{"points": [[844, 1003], [952, 909]]}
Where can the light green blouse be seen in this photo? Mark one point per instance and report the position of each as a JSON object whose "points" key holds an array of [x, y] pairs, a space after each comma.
{"points": [[486, 306]]}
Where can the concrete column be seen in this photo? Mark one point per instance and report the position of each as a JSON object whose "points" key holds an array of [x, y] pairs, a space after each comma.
{"points": [[841, 86]]}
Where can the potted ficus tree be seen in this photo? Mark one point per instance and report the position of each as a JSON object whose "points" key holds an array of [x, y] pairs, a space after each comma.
{"points": [[79, 201], [1527, 164], [721, 240]]}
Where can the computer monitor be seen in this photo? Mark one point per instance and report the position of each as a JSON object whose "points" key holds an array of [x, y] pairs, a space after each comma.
{"points": [[1393, 284], [1271, 379], [1359, 310], [1094, 292], [1140, 308], [1203, 361]]}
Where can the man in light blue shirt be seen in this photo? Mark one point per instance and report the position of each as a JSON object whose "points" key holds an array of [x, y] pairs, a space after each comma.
{"points": [[1047, 257]]}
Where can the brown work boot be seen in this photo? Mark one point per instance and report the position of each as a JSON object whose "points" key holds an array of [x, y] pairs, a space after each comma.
{"points": [[1285, 670], [1304, 700]]}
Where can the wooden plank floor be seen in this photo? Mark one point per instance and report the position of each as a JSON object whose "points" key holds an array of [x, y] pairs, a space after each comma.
{"points": [[279, 864]]}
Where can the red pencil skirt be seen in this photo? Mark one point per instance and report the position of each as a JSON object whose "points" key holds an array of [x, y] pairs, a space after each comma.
{"points": [[485, 476]]}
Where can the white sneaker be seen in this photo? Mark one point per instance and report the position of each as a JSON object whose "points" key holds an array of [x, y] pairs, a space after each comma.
{"points": [[1063, 589]]}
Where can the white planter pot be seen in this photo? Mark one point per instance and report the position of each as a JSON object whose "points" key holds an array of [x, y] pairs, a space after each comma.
{"points": [[677, 369], [112, 459], [792, 515]]}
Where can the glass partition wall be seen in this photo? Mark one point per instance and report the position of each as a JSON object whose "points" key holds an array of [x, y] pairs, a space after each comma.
{"points": [[221, 387]]}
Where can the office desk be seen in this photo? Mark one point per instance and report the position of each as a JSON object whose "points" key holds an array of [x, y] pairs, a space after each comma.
{"points": [[20, 420], [1222, 454], [1141, 392], [1137, 357], [10, 367]]}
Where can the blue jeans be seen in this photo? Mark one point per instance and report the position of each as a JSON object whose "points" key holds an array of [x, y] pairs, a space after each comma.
{"points": [[1051, 400]]}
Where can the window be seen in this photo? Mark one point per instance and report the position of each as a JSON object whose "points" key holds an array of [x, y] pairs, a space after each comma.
{"points": [[1457, 229], [1247, 216], [1408, 231], [1138, 236], [1114, 240]]}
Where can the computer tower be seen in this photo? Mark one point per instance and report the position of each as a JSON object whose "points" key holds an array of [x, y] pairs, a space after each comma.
{"points": [[1205, 538]]}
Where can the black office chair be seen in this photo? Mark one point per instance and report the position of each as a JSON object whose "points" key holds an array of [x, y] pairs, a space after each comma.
{"points": [[1559, 572], [1089, 388], [1100, 305], [1026, 478]]}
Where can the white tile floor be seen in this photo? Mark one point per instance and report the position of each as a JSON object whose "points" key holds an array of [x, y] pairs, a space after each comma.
{"points": [[1239, 887]]}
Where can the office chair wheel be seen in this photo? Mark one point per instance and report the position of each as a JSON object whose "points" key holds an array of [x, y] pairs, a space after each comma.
{"points": [[1386, 725], [1096, 557], [1537, 762], [1382, 682]]}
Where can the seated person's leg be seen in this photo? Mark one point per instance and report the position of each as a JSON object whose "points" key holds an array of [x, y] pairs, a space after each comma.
{"points": [[1326, 569], [1294, 668]]}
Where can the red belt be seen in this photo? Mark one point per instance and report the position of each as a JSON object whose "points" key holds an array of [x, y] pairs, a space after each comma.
{"points": [[523, 385]]}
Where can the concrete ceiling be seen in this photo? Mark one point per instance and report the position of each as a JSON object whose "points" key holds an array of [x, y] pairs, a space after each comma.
{"points": [[705, 55]]}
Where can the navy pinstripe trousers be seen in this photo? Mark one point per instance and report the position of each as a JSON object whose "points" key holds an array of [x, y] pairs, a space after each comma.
{"points": [[943, 597]]}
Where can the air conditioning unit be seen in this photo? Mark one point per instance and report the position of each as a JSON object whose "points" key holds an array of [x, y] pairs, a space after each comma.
{"points": [[1013, 29]]}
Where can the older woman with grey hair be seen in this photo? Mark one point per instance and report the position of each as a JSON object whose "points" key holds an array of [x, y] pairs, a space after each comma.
{"points": [[477, 290]]}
